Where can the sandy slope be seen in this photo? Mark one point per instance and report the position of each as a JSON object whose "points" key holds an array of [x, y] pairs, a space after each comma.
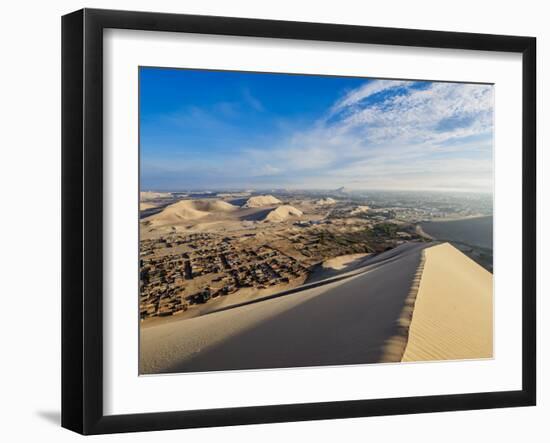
{"points": [[474, 231], [341, 261], [144, 206], [343, 322], [453, 311], [186, 210], [414, 302], [337, 266], [283, 213], [168, 346]]}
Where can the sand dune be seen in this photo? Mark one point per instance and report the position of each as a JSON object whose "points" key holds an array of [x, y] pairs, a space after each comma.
{"points": [[144, 206], [187, 210], [340, 265], [325, 201], [431, 302], [453, 311], [148, 195], [213, 205], [342, 322], [359, 210], [475, 231], [342, 261], [283, 213], [261, 200]]}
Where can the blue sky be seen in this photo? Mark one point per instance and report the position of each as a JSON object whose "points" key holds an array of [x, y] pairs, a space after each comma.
{"points": [[232, 130]]}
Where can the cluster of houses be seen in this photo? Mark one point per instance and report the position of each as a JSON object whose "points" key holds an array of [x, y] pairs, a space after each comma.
{"points": [[192, 270]]}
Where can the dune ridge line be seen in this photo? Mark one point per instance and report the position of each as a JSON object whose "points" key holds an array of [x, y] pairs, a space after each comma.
{"points": [[394, 349]]}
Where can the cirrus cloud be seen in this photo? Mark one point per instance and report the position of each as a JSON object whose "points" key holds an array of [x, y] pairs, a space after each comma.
{"points": [[396, 130]]}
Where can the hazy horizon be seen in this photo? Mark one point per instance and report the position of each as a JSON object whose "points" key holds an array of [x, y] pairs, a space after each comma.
{"points": [[216, 130], [313, 190]]}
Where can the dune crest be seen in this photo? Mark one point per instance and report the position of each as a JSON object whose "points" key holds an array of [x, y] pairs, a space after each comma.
{"points": [[261, 200], [283, 213]]}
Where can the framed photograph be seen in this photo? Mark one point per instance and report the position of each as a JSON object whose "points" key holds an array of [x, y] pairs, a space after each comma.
{"points": [[268, 221]]}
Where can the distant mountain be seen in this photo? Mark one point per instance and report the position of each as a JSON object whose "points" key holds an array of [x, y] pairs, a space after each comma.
{"points": [[342, 190]]}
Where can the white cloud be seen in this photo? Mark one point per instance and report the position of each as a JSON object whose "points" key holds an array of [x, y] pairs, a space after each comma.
{"points": [[252, 101], [368, 89], [385, 134], [266, 170], [437, 134], [439, 113]]}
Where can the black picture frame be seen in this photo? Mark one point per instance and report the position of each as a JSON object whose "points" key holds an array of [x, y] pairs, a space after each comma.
{"points": [[82, 218]]}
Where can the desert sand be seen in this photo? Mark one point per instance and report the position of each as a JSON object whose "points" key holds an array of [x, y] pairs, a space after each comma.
{"points": [[145, 206], [453, 311], [186, 210], [261, 200], [415, 302], [359, 210], [148, 195], [283, 213], [345, 321], [325, 201], [340, 265], [341, 262]]}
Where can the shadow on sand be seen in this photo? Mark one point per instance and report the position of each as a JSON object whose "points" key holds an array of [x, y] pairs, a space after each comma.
{"points": [[349, 323]]}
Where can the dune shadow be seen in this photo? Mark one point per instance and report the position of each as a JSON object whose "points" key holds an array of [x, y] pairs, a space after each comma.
{"points": [[254, 214], [238, 201], [152, 211], [348, 324], [319, 273]]}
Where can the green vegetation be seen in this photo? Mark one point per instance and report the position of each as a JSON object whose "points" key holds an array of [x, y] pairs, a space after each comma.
{"points": [[386, 229]]}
